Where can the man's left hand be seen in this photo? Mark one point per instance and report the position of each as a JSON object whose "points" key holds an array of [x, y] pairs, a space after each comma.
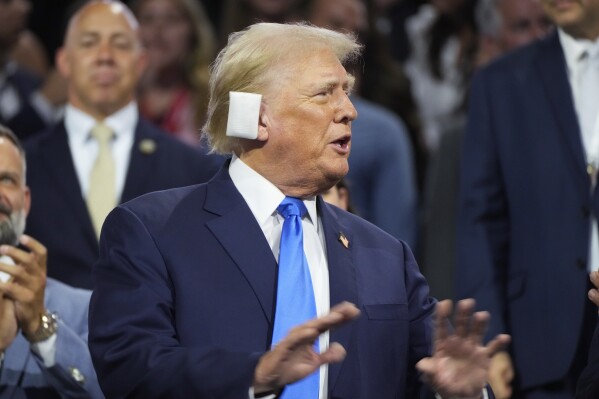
{"points": [[459, 366], [28, 283]]}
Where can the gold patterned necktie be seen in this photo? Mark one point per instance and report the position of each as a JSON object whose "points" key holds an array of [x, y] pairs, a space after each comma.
{"points": [[101, 198]]}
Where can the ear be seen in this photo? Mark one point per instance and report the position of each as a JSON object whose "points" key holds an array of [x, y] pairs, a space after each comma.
{"points": [[142, 63], [62, 62], [264, 123], [27, 201]]}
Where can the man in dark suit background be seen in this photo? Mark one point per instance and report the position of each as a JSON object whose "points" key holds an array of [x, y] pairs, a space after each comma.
{"points": [[81, 179], [187, 295], [529, 203]]}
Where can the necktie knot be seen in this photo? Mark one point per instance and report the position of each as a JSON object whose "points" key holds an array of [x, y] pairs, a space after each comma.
{"points": [[102, 134], [291, 206]]}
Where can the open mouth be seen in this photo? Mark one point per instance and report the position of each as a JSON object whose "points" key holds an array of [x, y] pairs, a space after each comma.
{"points": [[342, 143]]}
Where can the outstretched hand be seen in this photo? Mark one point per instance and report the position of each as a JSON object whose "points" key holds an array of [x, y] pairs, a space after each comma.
{"points": [[294, 358], [459, 366]]}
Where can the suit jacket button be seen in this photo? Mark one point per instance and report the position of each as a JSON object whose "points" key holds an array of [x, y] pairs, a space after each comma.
{"points": [[586, 212], [581, 263], [77, 375]]}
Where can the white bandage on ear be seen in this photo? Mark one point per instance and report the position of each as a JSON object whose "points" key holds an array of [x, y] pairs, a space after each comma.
{"points": [[244, 112]]}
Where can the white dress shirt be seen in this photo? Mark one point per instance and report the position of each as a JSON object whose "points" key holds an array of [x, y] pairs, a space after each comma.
{"points": [[263, 198], [84, 148], [575, 50]]}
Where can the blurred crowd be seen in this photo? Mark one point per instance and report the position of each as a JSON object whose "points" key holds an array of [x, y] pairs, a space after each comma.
{"points": [[412, 94]]}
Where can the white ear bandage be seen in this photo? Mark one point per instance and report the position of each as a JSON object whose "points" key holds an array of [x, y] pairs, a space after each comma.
{"points": [[244, 112]]}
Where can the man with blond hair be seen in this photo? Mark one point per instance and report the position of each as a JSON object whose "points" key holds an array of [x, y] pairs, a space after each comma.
{"points": [[231, 289]]}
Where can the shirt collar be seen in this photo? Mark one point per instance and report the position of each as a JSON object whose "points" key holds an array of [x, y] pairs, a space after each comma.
{"points": [[261, 195], [575, 48], [79, 124]]}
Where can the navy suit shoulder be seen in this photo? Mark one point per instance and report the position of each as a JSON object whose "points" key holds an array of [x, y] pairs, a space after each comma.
{"points": [[59, 217]]}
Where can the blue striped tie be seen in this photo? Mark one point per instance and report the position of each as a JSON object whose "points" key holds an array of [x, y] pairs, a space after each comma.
{"points": [[295, 295]]}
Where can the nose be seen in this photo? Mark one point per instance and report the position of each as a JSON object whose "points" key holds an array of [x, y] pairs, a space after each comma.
{"points": [[347, 111], [104, 52]]}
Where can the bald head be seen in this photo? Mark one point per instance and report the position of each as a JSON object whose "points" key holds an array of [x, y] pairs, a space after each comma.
{"points": [[102, 58], [116, 7]]}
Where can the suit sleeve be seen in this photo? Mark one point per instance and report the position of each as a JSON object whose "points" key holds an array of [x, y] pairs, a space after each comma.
{"points": [[133, 336], [73, 374], [483, 224]]}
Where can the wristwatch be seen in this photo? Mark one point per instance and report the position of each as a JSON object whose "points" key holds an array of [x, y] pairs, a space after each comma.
{"points": [[48, 327]]}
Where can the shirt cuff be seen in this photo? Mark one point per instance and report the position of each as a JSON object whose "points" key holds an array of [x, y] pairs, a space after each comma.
{"points": [[252, 396], [46, 349]]}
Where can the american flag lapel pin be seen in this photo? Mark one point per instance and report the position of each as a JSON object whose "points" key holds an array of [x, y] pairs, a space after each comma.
{"points": [[343, 240]]}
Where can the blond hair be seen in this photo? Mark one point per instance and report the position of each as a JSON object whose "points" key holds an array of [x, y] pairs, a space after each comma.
{"points": [[247, 63]]}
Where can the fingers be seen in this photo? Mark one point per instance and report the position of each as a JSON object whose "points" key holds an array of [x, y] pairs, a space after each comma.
{"points": [[442, 312], [463, 316], [499, 343], [334, 354], [427, 366], [294, 357], [37, 248], [478, 328], [337, 316], [17, 292]]}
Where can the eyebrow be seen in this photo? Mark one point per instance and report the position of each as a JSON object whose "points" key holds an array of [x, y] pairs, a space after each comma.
{"points": [[332, 83], [11, 174]]}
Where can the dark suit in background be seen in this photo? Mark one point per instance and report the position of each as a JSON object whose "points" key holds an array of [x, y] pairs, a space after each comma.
{"points": [[61, 220], [525, 206]]}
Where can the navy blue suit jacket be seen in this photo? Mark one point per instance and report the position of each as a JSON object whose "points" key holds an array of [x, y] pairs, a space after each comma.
{"points": [[525, 202], [184, 299], [59, 217]]}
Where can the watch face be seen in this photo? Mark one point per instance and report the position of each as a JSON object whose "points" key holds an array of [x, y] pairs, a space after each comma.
{"points": [[47, 328]]}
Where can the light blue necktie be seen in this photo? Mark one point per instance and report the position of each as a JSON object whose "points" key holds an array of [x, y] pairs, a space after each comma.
{"points": [[295, 295]]}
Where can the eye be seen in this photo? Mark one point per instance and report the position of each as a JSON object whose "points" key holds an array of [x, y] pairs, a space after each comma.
{"points": [[87, 43], [7, 180], [122, 43]]}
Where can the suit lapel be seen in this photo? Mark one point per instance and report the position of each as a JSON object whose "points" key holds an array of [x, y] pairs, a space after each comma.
{"points": [[59, 164], [243, 239], [342, 277], [552, 68], [141, 163]]}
